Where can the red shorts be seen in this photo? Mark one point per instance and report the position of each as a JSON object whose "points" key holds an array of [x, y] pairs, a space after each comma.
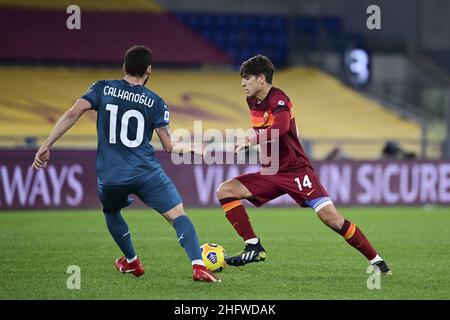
{"points": [[302, 185]]}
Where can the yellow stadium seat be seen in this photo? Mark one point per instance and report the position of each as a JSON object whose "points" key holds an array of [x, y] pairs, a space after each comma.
{"points": [[32, 99]]}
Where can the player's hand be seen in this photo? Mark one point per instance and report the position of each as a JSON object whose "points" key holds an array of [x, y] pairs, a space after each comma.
{"points": [[241, 145], [198, 149], [193, 148], [208, 147], [41, 158]]}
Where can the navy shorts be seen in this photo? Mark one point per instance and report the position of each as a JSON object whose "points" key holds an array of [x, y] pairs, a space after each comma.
{"points": [[157, 192]]}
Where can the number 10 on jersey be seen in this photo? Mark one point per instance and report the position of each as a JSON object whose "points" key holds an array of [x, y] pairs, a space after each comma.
{"points": [[112, 108]]}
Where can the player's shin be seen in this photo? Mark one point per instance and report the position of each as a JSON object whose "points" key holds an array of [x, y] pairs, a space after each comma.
{"points": [[358, 240], [118, 229], [238, 217], [187, 237]]}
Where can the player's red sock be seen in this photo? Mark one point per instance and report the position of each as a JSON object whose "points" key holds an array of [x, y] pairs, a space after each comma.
{"points": [[357, 239], [236, 214]]}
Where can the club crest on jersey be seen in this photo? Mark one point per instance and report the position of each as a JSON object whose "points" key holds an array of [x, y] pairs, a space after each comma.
{"points": [[266, 117]]}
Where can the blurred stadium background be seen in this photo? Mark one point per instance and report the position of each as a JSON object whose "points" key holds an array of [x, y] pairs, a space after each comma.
{"points": [[372, 108], [401, 94], [359, 94]]}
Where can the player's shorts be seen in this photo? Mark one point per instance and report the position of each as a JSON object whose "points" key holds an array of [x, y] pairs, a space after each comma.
{"points": [[156, 191], [302, 185]]}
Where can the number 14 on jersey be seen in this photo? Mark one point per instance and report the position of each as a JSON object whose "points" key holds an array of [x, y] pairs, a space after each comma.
{"points": [[306, 182]]}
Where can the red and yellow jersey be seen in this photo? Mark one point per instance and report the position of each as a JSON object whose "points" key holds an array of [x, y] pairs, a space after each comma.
{"points": [[291, 153]]}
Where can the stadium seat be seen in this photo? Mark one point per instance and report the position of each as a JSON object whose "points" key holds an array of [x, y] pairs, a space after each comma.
{"points": [[106, 34], [214, 97], [332, 25]]}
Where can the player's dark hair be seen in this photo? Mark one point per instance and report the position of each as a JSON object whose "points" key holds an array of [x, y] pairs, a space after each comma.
{"points": [[258, 65], [137, 59]]}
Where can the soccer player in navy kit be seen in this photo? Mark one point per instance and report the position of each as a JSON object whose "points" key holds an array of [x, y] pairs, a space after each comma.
{"points": [[127, 114], [272, 113]]}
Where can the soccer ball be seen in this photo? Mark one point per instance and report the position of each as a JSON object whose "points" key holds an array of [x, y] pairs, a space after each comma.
{"points": [[213, 256]]}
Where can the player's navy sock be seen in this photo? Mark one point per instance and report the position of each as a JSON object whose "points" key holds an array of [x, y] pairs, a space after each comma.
{"points": [[120, 233], [236, 214], [187, 237], [357, 239]]}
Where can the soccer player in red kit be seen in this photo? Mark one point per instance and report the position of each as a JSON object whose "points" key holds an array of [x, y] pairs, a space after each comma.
{"points": [[272, 113]]}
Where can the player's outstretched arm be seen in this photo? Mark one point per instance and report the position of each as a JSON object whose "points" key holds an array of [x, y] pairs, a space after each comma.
{"points": [[177, 147], [63, 124]]}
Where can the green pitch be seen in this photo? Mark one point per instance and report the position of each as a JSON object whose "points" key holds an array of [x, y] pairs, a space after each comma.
{"points": [[305, 259]]}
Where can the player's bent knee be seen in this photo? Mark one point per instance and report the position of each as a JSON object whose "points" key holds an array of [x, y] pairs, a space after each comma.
{"points": [[107, 210], [331, 217], [225, 190], [174, 213]]}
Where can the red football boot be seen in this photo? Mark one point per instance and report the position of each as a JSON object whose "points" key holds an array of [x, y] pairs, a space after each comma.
{"points": [[200, 273], [135, 267]]}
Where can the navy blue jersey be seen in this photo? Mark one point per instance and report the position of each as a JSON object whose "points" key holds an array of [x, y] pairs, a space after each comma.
{"points": [[126, 117]]}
